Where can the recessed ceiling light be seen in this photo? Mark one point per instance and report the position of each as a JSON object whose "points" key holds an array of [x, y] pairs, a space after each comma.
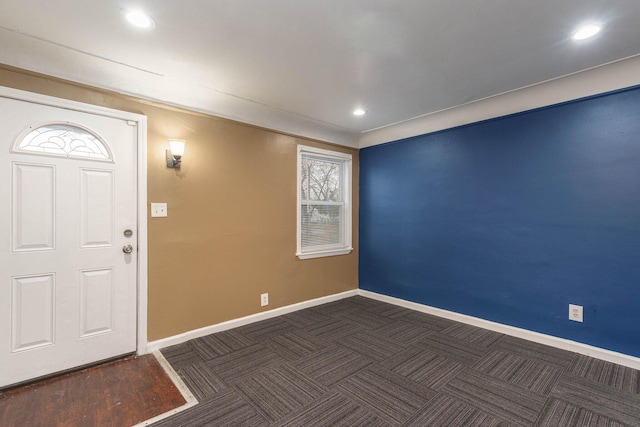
{"points": [[139, 19], [586, 31], [359, 112]]}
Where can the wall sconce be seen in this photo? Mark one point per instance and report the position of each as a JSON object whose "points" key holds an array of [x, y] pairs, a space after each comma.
{"points": [[175, 153]]}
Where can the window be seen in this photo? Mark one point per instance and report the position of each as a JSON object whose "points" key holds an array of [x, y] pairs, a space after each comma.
{"points": [[324, 203], [63, 140]]}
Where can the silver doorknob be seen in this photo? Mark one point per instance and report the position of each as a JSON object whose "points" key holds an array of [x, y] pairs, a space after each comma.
{"points": [[127, 249]]}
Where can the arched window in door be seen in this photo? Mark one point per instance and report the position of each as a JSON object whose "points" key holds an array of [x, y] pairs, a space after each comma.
{"points": [[63, 140]]}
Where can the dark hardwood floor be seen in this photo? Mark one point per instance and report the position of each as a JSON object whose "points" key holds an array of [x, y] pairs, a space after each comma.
{"points": [[117, 394]]}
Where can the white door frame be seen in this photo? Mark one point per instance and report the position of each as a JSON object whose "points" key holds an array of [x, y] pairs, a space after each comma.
{"points": [[141, 122]]}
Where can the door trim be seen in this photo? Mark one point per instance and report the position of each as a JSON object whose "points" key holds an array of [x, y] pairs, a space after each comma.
{"points": [[141, 123]]}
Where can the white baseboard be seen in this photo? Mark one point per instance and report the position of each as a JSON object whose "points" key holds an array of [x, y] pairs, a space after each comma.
{"points": [[576, 347], [230, 324]]}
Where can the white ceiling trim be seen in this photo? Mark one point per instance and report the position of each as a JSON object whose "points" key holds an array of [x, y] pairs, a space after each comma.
{"points": [[613, 76]]}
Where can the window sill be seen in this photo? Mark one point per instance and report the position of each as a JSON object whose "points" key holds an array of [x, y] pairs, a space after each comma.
{"points": [[319, 254]]}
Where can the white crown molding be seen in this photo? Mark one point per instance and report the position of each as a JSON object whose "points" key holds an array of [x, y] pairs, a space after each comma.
{"points": [[605, 78]]}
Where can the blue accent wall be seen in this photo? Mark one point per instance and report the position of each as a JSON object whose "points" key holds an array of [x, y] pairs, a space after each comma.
{"points": [[513, 219]]}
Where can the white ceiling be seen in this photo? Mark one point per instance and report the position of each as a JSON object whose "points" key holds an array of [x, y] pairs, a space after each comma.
{"points": [[302, 66]]}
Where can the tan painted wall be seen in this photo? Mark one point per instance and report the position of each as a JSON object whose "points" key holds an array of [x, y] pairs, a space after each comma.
{"points": [[231, 230]]}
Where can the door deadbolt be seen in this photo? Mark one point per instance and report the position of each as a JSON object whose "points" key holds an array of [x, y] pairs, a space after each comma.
{"points": [[128, 233]]}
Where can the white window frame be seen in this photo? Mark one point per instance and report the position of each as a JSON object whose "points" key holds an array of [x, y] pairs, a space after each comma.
{"points": [[326, 250]]}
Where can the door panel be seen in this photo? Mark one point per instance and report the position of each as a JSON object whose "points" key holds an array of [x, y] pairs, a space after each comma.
{"points": [[32, 311], [96, 208], [68, 293], [96, 301], [33, 207]]}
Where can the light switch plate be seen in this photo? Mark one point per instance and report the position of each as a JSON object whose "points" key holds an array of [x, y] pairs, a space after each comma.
{"points": [[158, 210]]}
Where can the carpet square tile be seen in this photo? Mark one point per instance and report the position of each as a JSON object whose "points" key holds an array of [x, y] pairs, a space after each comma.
{"points": [[332, 410], [503, 400], [533, 350], [240, 363], [389, 311], [602, 400], [295, 345], [606, 373], [364, 303], [266, 329], [226, 409], [338, 308], [201, 380], [453, 348], [334, 329], [428, 369], [391, 396], [365, 319], [181, 355], [276, 392], [333, 364], [304, 318], [530, 374], [214, 345], [472, 334], [446, 411], [403, 332], [428, 321], [560, 413], [371, 345]]}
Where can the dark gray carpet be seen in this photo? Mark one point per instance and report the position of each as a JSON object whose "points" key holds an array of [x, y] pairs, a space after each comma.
{"points": [[361, 362]]}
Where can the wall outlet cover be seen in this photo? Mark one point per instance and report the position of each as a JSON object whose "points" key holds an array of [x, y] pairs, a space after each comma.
{"points": [[264, 299], [575, 312]]}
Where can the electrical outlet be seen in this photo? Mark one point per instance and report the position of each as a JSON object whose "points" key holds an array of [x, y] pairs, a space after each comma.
{"points": [[575, 313], [264, 299]]}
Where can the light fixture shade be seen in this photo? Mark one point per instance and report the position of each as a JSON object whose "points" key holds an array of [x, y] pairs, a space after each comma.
{"points": [[175, 153], [177, 147]]}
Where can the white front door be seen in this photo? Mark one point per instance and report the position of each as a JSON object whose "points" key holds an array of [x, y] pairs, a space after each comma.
{"points": [[68, 215]]}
